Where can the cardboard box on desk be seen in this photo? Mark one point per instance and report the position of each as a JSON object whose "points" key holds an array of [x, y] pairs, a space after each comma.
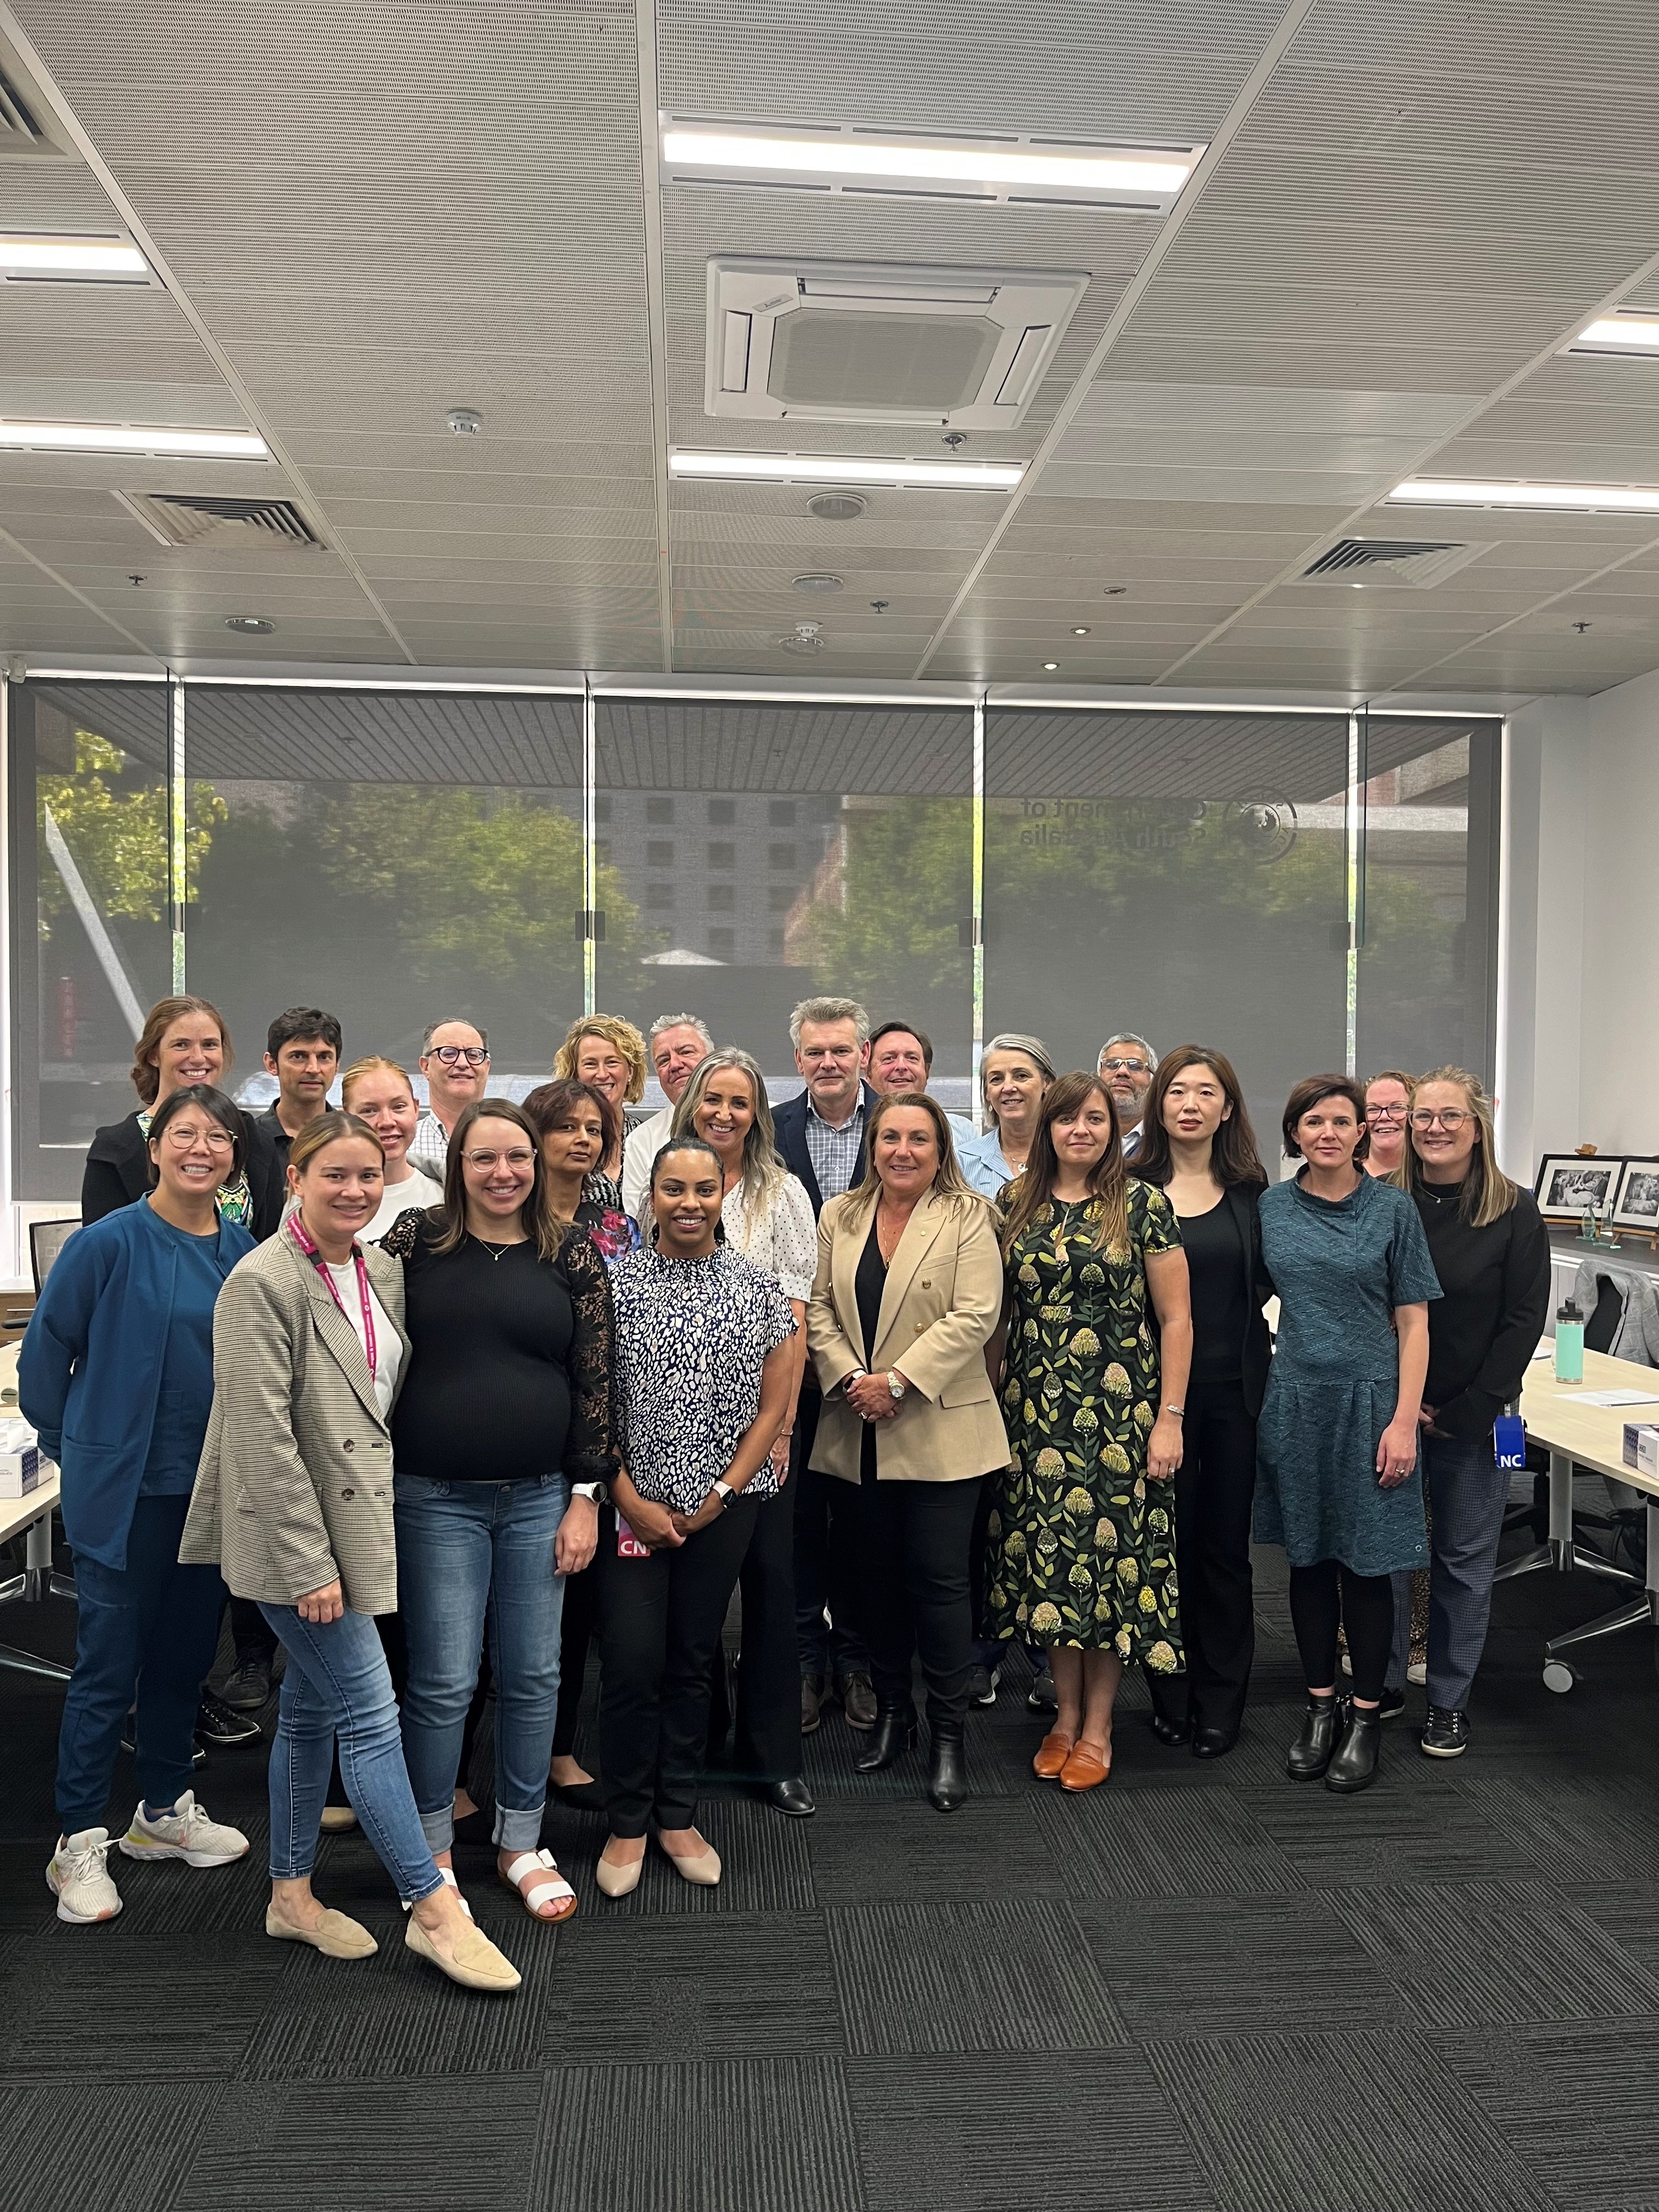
{"points": [[21, 1464], [1642, 1447]]}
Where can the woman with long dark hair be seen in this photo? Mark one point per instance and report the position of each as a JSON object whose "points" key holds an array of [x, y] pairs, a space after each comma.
{"points": [[503, 1444], [1197, 1146], [1098, 1338]]}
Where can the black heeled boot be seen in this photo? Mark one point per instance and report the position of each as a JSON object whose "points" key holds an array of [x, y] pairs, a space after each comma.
{"points": [[1311, 1754], [1354, 1766], [947, 1767], [893, 1735]]}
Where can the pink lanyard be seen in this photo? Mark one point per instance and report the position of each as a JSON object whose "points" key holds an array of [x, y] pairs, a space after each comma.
{"points": [[307, 1243]]}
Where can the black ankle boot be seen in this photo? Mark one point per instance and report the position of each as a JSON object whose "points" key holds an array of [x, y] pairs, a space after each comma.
{"points": [[947, 1767], [1354, 1766], [1311, 1754], [893, 1735]]}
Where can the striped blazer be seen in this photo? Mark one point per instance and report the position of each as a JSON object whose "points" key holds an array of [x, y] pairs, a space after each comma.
{"points": [[295, 1483]]}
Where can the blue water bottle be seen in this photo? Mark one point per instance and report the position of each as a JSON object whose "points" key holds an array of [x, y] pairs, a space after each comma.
{"points": [[1569, 1343]]}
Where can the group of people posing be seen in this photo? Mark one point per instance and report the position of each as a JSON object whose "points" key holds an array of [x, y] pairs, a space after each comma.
{"points": [[435, 1398]]}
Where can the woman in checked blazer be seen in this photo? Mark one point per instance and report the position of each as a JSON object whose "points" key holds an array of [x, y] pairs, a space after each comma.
{"points": [[292, 1501]]}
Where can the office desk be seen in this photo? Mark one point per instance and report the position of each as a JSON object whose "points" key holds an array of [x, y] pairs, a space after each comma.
{"points": [[32, 1514], [1556, 1417]]}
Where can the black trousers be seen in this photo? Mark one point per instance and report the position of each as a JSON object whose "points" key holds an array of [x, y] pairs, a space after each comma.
{"points": [[577, 1630], [769, 1680], [915, 1541], [826, 1544], [1327, 1593], [660, 1621], [1214, 1487]]}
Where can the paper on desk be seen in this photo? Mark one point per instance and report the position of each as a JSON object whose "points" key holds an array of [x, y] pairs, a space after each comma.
{"points": [[1545, 1350], [1618, 1397]]}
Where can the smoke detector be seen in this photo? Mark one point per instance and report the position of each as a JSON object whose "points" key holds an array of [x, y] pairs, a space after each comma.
{"points": [[836, 506], [464, 422], [855, 342], [806, 637]]}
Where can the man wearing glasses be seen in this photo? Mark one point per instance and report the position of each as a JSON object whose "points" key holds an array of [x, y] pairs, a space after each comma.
{"points": [[1126, 1065], [455, 1061]]}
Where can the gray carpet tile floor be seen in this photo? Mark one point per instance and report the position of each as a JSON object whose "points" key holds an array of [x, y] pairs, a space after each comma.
{"points": [[1201, 1989]]}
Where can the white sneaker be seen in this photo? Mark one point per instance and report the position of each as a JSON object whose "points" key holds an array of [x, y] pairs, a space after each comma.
{"points": [[78, 1878], [1418, 1672], [183, 1833]]}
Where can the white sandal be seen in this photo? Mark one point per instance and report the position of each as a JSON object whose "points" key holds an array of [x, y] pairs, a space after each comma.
{"points": [[540, 1892], [448, 1874]]}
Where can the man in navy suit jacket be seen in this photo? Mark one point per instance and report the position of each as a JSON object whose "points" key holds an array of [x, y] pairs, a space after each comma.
{"points": [[820, 1135]]}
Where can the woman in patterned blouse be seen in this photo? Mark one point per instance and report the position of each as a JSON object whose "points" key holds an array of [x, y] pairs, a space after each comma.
{"points": [[705, 1368]]}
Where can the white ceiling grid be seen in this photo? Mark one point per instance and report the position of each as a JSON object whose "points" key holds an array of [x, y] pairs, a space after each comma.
{"points": [[372, 214]]}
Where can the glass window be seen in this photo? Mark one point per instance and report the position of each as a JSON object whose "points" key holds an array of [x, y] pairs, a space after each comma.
{"points": [[1181, 875], [1427, 966], [91, 915], [873, 892]]}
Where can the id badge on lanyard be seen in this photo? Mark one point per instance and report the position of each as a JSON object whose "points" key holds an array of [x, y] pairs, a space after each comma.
{"points": [[1508, 1441], [628, 1546]]}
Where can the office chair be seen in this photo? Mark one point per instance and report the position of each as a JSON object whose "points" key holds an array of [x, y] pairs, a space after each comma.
{"points": [[47, 1240]]}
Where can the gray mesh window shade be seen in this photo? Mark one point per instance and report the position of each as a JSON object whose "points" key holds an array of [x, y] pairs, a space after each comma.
{"points": [[391, 857], [1179, 875], [91, 932], [852, 830], [1427, 976]]}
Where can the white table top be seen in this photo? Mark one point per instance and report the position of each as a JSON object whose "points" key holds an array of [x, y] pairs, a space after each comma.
{"points": [[1556, 1417], [18, 1513]]}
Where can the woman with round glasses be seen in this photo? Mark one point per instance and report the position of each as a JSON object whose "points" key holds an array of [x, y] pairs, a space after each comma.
{"points": [[1490, 1252], [116, 1373], [502, 1447], [1388, 1105]]}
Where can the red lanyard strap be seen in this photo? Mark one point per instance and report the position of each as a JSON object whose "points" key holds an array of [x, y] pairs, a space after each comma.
{"points": [[307, 1243]]}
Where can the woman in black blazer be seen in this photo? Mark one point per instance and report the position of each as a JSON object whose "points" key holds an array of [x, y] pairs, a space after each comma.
{"points": [[1199, 1148], [184, 1041]]}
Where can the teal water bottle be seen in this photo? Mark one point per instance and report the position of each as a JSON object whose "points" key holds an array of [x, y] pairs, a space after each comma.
{"points": [[1569, 1343]]}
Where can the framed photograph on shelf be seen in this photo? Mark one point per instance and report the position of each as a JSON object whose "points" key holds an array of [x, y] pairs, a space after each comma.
{"points": [[1636, 1197], [1569, 1186]]}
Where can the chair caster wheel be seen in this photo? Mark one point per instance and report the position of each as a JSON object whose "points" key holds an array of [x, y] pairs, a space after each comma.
{"points": [[1559, 1676]]}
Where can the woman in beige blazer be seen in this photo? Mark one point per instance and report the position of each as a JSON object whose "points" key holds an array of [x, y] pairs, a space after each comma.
{"points": [[907, 1292], [292, 1501]]}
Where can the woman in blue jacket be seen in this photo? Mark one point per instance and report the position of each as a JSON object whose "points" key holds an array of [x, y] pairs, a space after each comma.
{"points": [[116, 1373]]}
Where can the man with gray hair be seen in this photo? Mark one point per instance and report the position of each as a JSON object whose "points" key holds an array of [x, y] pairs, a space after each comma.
{"points": [[1128, 1063], [455, 1061], [820, 1135], [676, 1044]]}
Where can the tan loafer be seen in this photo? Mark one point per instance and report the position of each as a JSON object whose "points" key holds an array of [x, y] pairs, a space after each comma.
{"points": [[476, 1962], [336, 1935], [1052, 1755]]}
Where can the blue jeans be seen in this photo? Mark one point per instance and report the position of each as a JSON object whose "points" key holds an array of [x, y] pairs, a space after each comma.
{"points": [[1468, 1495], [472, 1553], [151, 1625], [337, 1683]]}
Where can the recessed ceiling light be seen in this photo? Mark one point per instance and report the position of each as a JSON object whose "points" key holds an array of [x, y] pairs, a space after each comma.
{"points": [[839, 468], [816, 580], [1561, 498], [1081, 630], [837, 506], [1051, 665], [125, 438], [1634, 334], [991, 168], [250, 625], [102, 260]]}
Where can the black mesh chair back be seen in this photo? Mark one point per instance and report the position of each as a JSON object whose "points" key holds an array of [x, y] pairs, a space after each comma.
{"points": [[47, 1240]]}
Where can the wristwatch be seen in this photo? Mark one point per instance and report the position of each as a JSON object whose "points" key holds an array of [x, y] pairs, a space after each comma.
{"points": [[727, 1495], [896, 1383], [597, 1491]]}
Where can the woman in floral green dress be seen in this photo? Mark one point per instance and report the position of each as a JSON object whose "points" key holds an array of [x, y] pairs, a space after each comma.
{"points": [[1082, 1533]]}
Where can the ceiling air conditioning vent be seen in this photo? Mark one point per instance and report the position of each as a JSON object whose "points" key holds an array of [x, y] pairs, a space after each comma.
{"points": [[849, 342], [29, 130], [1414, 562], [191, 518]]}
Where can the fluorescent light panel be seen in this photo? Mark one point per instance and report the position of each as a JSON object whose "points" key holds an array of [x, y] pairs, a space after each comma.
{"points": [[840, 468], [1631, 334], [24, 254], [1560, 498], [916, 162], [129, 438]]}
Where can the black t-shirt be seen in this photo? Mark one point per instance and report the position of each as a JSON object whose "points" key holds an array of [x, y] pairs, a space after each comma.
{"points": [[509, 1374], [1215, 1270], [1495, 1286], [868, 1285]]}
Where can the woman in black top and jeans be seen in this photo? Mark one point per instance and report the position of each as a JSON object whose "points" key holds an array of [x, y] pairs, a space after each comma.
{"points": [[1492, 1254], [506, 1408], [1199, 1148]]}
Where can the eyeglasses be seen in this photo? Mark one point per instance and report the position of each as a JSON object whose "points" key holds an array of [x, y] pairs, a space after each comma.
{"points": [[1451, 1120], [1387, 1112], [216, 1140], [1124, 1067], [452, 1055], [518, 1157]]}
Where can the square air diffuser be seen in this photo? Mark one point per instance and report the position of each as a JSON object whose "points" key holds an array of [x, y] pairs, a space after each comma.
{"points": [[846, 342]]}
